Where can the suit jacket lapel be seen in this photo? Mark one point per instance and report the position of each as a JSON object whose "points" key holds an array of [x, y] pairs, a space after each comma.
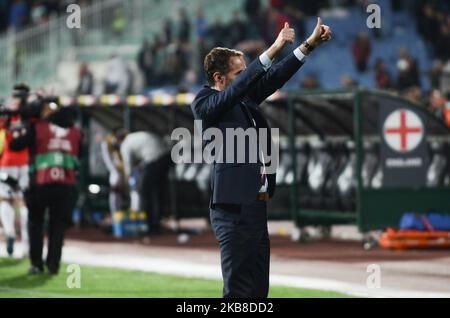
{"points": [[247, 114]]}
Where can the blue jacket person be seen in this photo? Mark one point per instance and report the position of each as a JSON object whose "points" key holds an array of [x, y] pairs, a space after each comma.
{"points": [[240, 191]]}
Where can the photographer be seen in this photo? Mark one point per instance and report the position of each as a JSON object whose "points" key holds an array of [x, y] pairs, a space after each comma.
{"points": [[54, 145], [14, 177]]}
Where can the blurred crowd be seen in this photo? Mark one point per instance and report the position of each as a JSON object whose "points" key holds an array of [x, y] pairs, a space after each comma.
{"points": [[169, 58], [174, 57], [166, 59], [433, 23], [19, 14]]}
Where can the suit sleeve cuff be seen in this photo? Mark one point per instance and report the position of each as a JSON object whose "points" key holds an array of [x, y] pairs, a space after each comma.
{"points": [[300, 56], [265, 61]]}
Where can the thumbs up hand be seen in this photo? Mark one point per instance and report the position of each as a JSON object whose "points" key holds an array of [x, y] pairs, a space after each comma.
{"points": [[321, 34], [287, 35]]}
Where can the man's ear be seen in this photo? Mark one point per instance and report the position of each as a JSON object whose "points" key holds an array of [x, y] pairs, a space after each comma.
{"points": [[218, 78]]}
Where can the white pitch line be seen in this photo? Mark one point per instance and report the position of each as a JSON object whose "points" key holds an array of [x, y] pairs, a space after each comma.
{"points": [[81, 256], [35, 293]]}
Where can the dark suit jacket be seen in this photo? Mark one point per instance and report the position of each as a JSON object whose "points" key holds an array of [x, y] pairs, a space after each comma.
{"points": [[235, 107]]}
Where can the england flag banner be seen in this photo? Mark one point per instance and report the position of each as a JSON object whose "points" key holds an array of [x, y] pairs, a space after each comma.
{"points": [[403, 147]]}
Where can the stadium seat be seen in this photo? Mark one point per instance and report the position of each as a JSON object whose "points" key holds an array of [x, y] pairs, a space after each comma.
{"points": [[438, 170], [318, 170], [370, 163], [339, 156], [284, 166], [346, 180]]}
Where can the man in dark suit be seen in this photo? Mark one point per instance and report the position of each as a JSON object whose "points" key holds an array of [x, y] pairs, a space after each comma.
{"points": [[238, 207]]}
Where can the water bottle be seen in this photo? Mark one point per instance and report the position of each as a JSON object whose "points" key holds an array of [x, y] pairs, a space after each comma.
{"points": [[118, 224]]}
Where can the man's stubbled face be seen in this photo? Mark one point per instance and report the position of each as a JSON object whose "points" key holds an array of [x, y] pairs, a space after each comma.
{"points": [[237, 66]]}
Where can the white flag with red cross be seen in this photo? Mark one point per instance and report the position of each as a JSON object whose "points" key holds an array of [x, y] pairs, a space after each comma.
{"points": [[403, 130]]}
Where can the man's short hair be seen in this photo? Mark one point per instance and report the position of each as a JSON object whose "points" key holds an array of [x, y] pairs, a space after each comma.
{"points": [[218, 60]]}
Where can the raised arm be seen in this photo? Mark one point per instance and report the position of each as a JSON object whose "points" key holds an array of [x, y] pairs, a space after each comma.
{"points": [[210, 105], [283, 71]]}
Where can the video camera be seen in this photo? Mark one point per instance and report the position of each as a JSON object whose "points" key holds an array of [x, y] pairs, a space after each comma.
{"points": [[30, 104]]}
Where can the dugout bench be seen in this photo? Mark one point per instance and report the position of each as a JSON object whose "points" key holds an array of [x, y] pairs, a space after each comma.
{"points": [[344, 158]]}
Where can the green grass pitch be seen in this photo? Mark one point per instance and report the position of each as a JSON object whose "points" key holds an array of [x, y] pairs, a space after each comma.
{"points": [[98, 282]]}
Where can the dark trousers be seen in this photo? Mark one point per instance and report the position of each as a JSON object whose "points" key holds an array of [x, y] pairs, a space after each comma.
{"points": [[58, 200], [244, 248], [153, 190]]}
